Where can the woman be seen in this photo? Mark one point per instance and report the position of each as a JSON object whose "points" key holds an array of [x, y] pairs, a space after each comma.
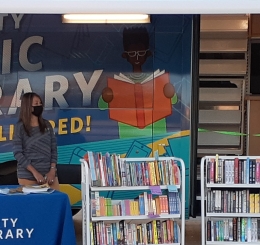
{"points": [[34, 145]]}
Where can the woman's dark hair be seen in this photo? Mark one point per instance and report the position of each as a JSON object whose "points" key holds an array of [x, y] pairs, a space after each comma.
{"points": [[26, 113]]}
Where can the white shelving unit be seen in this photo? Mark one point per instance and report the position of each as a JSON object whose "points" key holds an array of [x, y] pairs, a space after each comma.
{"points": [[206, 186], [86, 188]]}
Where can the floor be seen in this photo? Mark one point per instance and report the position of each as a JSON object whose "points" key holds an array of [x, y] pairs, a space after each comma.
{"points": [[192, 234]]}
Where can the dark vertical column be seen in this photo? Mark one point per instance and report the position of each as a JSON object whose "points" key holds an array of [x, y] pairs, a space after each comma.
{"points": [[194, 111]]}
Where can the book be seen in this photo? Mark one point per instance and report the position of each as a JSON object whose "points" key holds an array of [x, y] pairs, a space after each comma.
{"points": [[94, 227], [258, 230], [257, 210], [252, 203], [159, 234], [149, 233], [132, 101], [216, 169], [93, 204], [257, 172], [35, 188], [249, 230], [89, 157], [208, 230], [236, 168], [121, 235], [212, 170]]}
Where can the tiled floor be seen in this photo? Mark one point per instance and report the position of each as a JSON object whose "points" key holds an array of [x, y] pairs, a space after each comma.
{"points": [[192, 237]]}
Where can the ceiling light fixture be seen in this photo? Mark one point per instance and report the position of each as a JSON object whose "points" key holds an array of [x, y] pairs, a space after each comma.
{"points": [[105, 18]]}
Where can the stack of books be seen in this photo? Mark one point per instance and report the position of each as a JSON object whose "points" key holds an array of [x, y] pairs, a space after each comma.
{"points": [[35, 188]]}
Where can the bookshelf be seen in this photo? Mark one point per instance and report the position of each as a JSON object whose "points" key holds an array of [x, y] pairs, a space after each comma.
{"points": [[230, 210], [89, 218]]}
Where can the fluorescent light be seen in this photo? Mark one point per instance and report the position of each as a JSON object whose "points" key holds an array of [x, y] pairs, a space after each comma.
{"points": [[105, 18]]}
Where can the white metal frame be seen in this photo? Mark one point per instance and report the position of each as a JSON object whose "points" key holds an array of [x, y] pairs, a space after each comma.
{"points": [[204, 185], [130, 6], [85, 185], [85, 188]]}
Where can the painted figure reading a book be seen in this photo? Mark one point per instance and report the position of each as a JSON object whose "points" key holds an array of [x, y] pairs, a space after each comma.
{"points": [[139, 99]]}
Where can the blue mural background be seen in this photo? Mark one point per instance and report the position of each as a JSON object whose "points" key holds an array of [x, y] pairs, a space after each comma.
{"points": [[81, 49]]}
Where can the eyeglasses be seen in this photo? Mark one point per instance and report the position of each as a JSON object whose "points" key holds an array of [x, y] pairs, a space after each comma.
{"points": [[139, 53]]}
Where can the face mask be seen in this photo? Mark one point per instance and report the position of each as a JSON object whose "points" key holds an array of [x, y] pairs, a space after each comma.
{"points": [[37, 110]]}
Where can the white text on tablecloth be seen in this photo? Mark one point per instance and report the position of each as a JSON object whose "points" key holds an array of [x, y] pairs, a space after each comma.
{"points": [[7, 230]]}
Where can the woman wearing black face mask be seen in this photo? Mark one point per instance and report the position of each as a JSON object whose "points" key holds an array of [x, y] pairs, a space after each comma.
{"points": [[34, 145]]}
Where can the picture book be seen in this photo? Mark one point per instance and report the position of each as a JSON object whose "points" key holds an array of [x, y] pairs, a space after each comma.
{"points": [[139, 102]]}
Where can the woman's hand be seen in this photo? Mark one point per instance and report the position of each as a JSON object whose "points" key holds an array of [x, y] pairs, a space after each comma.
{"points": [[39, 178], [49, 177]]}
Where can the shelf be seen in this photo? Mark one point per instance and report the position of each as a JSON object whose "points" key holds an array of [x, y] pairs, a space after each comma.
{"points": [[247, 215], [126, 188], [137, 217], [247, 186], [231, 242], [215, 217], [116, 194]]}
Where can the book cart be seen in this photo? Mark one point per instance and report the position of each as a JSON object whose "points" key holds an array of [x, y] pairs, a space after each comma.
{"points": [[88, 219], [230, 200]]}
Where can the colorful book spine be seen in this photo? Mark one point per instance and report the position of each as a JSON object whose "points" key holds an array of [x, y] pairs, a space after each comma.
{"points": [[250, 171], [91, 233], [121, 240], [236, 168], [161, 182], [257, 172], [97, 203], [212, 171], [152, 173], [247, 170], [257, 210], [105, 170], [216, 169], [143, 173], [155, 237], [117, 174], [159, 231], [243, 229], [123, 173], [254, 229], [157, 176], [114, 231], [146, 203], [177, 174], [92, 166], [170, 226], [93, 204], [149, 233], [94, 226], [253, 171], [252, 202]]}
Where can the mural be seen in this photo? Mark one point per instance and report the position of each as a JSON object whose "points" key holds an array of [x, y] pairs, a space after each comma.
{"points": [[135, 94], [114, 88]]}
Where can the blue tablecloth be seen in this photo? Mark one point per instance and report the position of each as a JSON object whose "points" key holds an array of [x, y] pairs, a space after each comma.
{"points": [[36, 219]]}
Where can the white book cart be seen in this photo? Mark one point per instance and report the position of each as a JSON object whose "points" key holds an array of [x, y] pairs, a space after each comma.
{"points": [[86, 188], [226, 184]]}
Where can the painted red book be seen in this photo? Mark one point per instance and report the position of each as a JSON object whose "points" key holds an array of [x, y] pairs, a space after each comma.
{"points": [[139, 104]]}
